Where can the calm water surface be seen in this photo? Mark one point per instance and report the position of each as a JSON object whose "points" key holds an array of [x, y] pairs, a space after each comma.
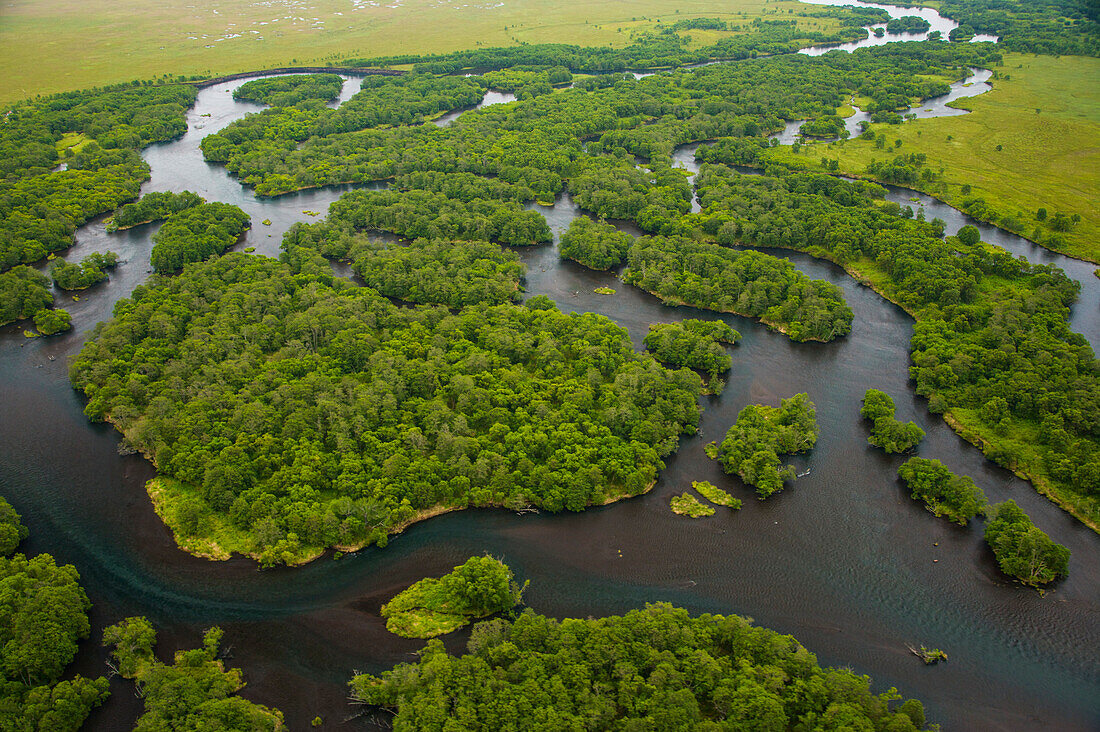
{"points": [[842, 559]]}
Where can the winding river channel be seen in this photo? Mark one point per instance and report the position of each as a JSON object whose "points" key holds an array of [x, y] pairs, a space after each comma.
{"points": [[842, 559]]}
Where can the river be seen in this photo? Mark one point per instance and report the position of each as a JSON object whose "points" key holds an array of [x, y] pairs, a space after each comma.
{"points": [[842, 559]]}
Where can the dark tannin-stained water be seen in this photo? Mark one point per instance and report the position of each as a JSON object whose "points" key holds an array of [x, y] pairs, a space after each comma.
{"points": [[842, 559]]}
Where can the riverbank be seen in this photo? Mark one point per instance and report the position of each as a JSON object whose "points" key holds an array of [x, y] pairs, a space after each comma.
{"points": [[1029, 144]]}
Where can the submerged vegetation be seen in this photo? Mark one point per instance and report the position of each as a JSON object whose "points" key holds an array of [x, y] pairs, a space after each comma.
{"points": [[761, 434], [478, 588]]}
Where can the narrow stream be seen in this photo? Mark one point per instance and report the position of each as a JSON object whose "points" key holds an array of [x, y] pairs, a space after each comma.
{"points": [[842, 559]]}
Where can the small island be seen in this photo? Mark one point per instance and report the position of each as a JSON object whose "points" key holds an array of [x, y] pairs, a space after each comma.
{"points": [[1022, 549], [890, 434], [716, 495], [761, 434], [955, 497], [433, 606]]}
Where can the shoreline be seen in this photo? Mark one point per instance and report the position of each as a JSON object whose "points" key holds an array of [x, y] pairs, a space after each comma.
{"points": [[205, 547]]}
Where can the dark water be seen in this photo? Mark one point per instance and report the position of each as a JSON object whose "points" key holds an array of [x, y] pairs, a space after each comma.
{"points": [[842, 559]]}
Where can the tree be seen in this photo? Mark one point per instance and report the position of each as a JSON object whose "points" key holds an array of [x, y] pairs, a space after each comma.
{"points": [[1022, 549]]}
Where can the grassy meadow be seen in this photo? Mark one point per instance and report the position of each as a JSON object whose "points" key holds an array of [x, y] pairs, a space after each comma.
{"points": [[59, 45], [1031, 142]]}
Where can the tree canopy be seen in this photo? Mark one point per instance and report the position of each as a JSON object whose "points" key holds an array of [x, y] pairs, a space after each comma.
{"points": [[954, 497], [657, 668], [43, 615], [307, 412], [761, 434], [887, 432], [1022, 549]]}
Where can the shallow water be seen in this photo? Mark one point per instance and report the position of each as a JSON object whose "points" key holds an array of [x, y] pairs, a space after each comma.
{"points": [[842, 559]]}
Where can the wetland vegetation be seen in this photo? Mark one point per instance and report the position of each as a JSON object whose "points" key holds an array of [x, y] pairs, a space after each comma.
{"points": [[288, 410]]}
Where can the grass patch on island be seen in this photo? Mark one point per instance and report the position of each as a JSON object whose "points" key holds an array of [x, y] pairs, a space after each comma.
{"points": [[433, 606]]}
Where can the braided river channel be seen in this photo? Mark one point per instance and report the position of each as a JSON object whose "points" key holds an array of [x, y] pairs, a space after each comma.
{"points": [[842, 559]]}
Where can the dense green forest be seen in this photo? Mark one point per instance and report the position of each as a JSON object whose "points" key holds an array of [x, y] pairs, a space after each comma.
{"points": [[696, 344], [540, 143], [43, 616], [195, 233], [90, 271], [1022, 549], [333, 417], [908, 24], [455, 274], [595, 244], [891, 434], [194, 693], [680, 271], [761, 434], [23, 292], [290, 89], [1062, 27], [657, 668], [477, 588], [955, 497], [152, 207], [40, 207]]}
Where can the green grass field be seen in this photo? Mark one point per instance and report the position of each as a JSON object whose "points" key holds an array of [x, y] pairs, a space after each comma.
{"points": [[76, 45], [1048, 158]]}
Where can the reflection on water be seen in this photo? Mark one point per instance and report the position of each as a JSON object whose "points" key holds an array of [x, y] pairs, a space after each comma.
{"points": [[842, 559]]}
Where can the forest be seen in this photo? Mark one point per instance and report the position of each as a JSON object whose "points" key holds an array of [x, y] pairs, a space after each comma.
{"points": [[43, 618], [656, 668], [761, 434], [684, 271], [196, 692], [440, 272], [197, 232], [90, 271], [152, 207], [696, 344], [980, 312], [47, 189], [595, 244], [955, 497], [335, 418], [1022, 549]]}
